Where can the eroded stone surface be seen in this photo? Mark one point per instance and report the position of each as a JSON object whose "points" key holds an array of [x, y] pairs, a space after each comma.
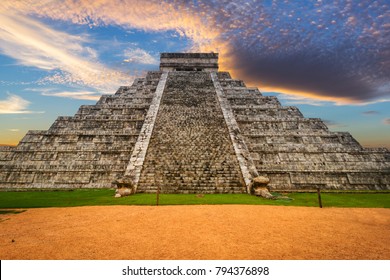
{"points": [[89, 150], [210, 133], [133, 170], [190, 150], [301, 153]]}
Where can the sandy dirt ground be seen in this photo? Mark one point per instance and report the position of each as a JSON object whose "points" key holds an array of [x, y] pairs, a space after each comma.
{"points": [[196, 232]]}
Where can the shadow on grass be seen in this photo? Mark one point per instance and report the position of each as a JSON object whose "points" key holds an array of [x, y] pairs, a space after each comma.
{"points": [[10, 211]]}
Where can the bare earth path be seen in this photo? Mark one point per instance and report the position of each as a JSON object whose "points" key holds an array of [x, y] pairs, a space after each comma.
{"points": [[196, 232]]}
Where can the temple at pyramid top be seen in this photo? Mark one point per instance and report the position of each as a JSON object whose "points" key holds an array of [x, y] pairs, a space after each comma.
{"points": [[189, 62]]}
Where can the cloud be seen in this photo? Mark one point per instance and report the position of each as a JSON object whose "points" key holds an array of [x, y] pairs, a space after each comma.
{"points": [[386, 121], [15, 105], [305, 74], [34, 44], [144, 15], [347, 61], [14, 129], [138, 56], [324, 50], [370, 113], [294, 99], [83, 95]]}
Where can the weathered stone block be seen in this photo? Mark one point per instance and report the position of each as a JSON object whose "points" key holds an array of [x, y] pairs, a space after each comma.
{"points": [[191, 129]]}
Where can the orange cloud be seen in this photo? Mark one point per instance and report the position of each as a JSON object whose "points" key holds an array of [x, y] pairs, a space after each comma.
{"points": [[209, 25], [309, 95], [15, 105], [34, 44], [151, 16]]}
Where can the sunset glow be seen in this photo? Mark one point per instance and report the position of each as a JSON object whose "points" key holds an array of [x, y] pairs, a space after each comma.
{"points": [[328, 58]]}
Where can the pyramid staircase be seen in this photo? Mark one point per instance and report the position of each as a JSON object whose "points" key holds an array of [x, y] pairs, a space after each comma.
{"points": [[189, 128]]}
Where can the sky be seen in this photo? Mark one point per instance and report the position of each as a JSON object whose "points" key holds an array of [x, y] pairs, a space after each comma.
{"points": [[331, 59]]}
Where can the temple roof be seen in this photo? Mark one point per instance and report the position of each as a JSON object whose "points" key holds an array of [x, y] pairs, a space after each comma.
{"points": [[189, 62]]}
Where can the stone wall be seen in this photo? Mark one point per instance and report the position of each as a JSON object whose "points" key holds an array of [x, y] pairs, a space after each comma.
{"points": [[190, 150], [192, 131], [301, 153], [133, 170], [88, 150], [247, 167], [189, 62]]}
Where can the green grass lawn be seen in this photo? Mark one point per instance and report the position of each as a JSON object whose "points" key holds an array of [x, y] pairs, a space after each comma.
{"points": [[83, 197]]}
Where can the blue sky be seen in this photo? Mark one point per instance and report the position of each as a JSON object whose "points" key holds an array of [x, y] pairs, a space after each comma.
{"points": [[331, 59]]}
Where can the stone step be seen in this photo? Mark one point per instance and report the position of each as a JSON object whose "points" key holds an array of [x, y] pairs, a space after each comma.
{"points": [[207, 130], [190, 146]]}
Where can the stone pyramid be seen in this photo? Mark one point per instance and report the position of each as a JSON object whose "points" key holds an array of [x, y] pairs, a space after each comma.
{"points": [[189, 128]]}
